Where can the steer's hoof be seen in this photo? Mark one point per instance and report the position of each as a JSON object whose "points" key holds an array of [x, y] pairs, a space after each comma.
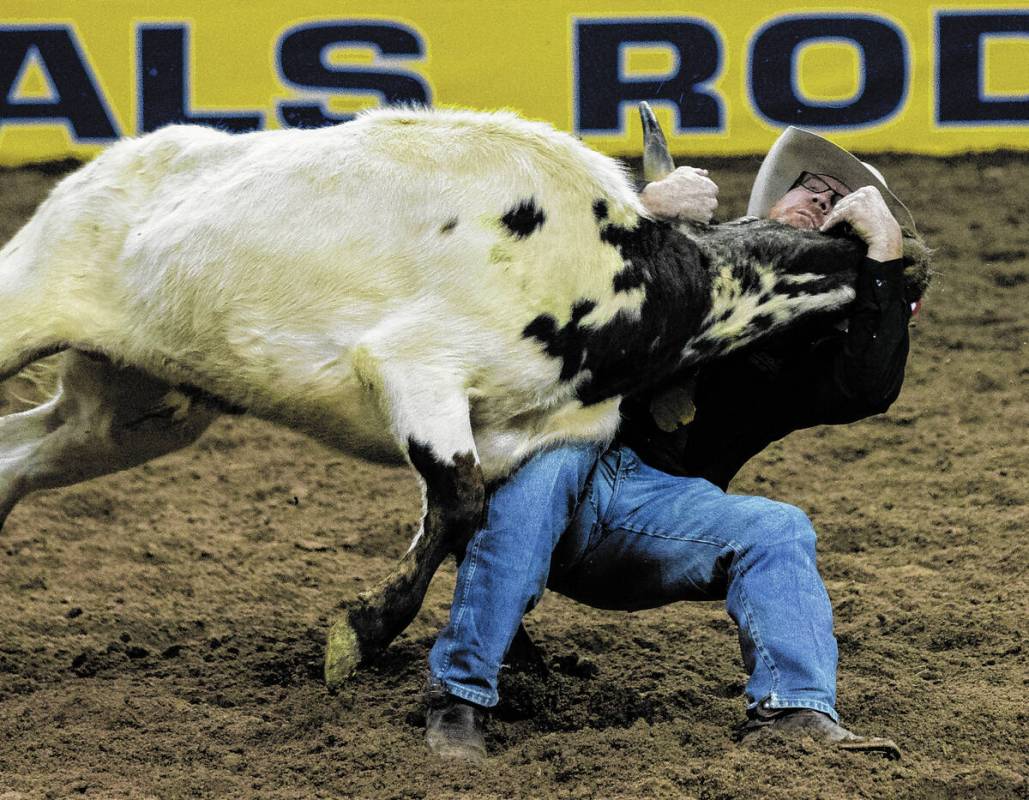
{"points": [[342, 653]]}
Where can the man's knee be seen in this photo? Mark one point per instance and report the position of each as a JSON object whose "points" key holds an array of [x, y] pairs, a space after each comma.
{"points": [[772, 523], [796, 525]]}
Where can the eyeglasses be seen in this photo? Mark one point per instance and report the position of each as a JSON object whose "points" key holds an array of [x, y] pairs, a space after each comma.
{"points": [[817, 185]]}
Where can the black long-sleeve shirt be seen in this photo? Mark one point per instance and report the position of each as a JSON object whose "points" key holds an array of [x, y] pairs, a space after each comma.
{"points": [[814, 376]]}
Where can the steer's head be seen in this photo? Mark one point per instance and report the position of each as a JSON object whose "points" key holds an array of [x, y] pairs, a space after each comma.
{"points": [[658, 164]]}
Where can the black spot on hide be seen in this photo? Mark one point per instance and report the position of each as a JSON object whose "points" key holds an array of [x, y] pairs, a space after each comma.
{"points": [[618, 354], [600, 210], [762, 322], [456, 492], [816, 286], [424, 460], [449, 225], [649, 249], [705, 326], [543, 328], [628, 279], [748, 278], [705, 346], [524, 219], [567, 343]]}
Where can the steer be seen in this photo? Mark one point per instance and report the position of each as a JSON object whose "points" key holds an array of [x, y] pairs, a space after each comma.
{"points": [[450, 288]]}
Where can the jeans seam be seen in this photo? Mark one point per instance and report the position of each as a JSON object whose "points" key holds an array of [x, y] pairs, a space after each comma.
{"points": [[735, 547], [473, 563], [595, 537], [591, 495], [624, 466], [758, 643]]}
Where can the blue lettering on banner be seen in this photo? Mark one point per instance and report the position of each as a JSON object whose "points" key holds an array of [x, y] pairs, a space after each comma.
{"points": [[164, 81], [774, 89], [795, 72], [601, 87], [961, 97], [303, 63], [74, 99], [33, 59]]}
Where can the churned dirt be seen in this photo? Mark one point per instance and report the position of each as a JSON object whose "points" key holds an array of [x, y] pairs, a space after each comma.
{"points": [[161, 630]]}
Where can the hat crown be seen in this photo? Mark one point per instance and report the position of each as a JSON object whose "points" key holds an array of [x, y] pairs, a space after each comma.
{"points": [[797, 151]]}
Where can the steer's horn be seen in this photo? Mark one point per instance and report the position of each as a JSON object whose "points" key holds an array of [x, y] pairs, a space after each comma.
{"points": [[657, 161]]}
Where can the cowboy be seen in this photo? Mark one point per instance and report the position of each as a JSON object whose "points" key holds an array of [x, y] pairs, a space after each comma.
{"points": [[647, 521]]}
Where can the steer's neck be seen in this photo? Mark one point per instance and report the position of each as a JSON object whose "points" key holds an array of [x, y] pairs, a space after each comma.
{"points": [[767, 278], [707, 290]]}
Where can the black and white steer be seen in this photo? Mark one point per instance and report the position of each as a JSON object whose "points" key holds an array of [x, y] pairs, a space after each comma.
{"points": [[452, 288]]}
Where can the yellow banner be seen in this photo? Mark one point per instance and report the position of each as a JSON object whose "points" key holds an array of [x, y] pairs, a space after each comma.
{"points": [[724, 78]]}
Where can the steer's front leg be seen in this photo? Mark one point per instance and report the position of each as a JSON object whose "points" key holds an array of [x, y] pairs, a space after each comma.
{"points": [[433, 425]]}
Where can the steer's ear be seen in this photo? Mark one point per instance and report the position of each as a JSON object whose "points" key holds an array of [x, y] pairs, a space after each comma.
{"points": [[657, 161]]}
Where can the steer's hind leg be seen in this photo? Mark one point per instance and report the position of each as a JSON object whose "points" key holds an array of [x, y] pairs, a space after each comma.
{"points": [[430, 419], [103, 419]]}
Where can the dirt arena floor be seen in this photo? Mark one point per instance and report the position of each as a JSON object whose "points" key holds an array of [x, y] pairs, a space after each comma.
{"points": [[161, 630]]}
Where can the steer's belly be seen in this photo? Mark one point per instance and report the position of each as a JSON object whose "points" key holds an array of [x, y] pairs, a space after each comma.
{"points": [[503, 445], [350, 419]]}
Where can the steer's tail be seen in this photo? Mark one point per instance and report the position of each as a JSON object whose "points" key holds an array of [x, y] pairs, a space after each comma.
{"points": [[30, 305]]}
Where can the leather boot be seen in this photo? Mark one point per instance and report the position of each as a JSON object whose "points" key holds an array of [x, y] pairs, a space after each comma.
{"points": [[819, 726], [454, 727]]}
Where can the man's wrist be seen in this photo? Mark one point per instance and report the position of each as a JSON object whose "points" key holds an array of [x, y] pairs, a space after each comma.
{"points": [[888, 250], [886, 243]]}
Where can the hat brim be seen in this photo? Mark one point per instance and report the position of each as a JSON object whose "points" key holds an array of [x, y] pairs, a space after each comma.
{"points": [[797, 151]]}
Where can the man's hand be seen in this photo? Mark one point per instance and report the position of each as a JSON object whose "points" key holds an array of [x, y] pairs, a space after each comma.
{"points": [[868, 215], [687, 194]]}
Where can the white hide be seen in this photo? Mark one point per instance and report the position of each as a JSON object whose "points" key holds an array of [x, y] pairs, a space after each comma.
{"points": [[307, 276]]}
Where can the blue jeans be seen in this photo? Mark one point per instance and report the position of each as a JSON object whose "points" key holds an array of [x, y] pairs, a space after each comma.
{"points": [[603, 528]]}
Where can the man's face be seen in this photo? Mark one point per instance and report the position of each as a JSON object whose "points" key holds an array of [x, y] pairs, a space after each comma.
{"points": [[807, 204]]}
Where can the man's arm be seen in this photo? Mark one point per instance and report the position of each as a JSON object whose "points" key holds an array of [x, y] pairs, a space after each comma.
{"points": [[860, 373]]}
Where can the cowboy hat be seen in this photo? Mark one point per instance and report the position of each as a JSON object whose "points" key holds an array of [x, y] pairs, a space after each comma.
{"points": [[797, 151]]}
